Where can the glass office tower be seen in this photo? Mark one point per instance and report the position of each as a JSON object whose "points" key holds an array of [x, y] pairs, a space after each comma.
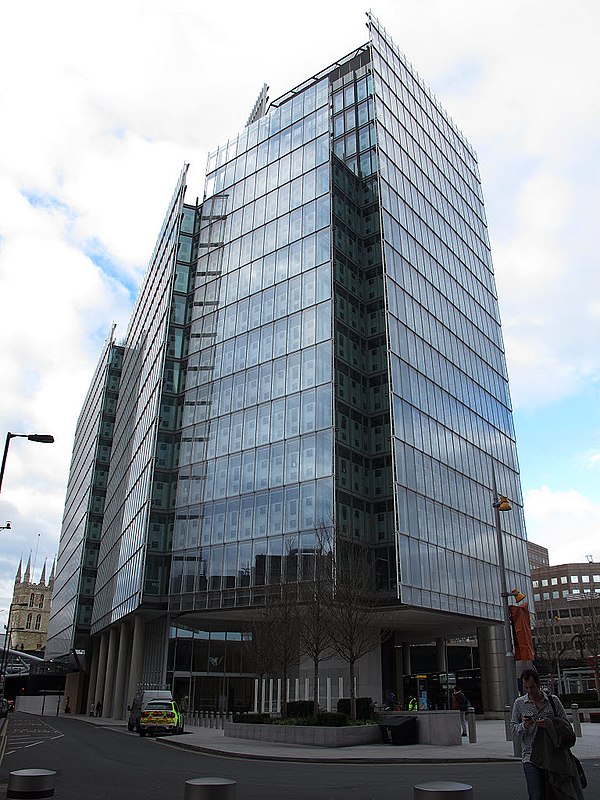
{"points": [[329, 353]]}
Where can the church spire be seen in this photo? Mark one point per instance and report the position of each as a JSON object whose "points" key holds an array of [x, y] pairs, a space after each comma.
{"points": [[43, 575], [18, 575], [27, 576]]}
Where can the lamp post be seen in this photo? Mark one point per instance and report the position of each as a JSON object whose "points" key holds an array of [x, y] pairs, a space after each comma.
{"points": [[501, 504], [44, 438], [7, 643], [5, 527]]}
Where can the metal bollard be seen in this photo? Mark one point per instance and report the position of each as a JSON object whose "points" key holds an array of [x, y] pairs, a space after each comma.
{"points": [[209, 789], [211, 720], [507, 716], [471, 726], [31, 783], [576, 720], [438, 790]]}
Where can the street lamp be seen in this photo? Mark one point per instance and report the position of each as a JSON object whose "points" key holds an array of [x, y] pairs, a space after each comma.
{"points": [[43, 438], [501, 504], [5, 527]]}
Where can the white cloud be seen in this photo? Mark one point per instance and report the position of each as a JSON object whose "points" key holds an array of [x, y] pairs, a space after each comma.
{"points": [[566, 522]]}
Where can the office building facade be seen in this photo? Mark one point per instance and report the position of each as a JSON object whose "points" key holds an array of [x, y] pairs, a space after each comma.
{"points": [[316, 351]]}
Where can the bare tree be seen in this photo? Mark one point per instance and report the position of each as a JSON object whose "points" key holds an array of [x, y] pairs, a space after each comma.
{"points": [[590, 638], [315, 591], [259, 647], [546, 645], [284, 620], [353, 608]]}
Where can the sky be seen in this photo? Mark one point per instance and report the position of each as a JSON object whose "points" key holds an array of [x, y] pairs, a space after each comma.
{"points": [[101, 105]]}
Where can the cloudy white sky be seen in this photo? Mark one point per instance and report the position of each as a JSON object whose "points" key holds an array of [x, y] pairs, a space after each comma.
{"points": [[101, 105]]}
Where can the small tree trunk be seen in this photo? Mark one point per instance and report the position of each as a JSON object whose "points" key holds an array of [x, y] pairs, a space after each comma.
{"points": [[284, 680], [352, 692], [316, 689]]}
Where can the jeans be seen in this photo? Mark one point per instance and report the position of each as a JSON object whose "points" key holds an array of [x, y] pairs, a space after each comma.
{"points": [[535, 781], [463, 722]]}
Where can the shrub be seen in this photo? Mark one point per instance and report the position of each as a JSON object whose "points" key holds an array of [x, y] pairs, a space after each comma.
{"points": [[252, 719], [332, 719], [300, 708], [364, 707]]}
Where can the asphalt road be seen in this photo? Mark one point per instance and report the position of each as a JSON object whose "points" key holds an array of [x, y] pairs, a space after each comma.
{"points": [[97, 763]]}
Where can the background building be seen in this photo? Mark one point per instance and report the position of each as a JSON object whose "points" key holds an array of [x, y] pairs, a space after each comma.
{"points": [[27, 625], [538, 555], [567, 622], [314, 361]]}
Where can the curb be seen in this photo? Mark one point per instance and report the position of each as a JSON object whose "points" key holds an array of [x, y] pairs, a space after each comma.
{"points": [[350, 760]]}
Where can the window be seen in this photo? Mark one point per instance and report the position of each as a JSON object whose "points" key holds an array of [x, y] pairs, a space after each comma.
{"points": [[554, 581], [31, 600], [28, 623], [535, 584], [585, 578], [41, 603], [38, 621], [563, 578], [545, 582], [574, 578]]}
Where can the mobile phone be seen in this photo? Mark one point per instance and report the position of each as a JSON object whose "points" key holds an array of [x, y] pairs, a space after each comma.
{"points": [[527, 716]]}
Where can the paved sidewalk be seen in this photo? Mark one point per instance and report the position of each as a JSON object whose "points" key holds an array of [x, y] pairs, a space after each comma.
{"points": [[490, 746]]}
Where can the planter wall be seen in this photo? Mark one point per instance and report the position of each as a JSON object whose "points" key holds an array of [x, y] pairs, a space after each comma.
{"points": [[316, 736]]}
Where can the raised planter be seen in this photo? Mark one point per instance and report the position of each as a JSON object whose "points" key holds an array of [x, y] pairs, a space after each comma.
{"points": [[315, 736]]}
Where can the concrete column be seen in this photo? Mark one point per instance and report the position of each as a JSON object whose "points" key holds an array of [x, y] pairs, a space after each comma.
{"points": [[137, 658], [111, 663], [492, 657], [440, 655], [406, 658], [118, 709], [99, 694], [93, 671], [398, 671]]}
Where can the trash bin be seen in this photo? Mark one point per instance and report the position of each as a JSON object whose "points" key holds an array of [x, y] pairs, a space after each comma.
{"points": [[400, 730]]}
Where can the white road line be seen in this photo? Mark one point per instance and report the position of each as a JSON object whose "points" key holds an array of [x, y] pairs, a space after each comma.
{"points": [[33, 744]]}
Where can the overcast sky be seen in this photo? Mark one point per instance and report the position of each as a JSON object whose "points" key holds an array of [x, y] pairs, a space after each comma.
{"points": [[100, 105]]}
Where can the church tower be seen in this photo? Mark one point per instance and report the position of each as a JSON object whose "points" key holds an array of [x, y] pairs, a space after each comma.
{"points": [[30, 610]]}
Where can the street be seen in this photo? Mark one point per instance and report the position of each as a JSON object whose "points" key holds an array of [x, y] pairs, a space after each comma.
{"points": [[100, 763]]}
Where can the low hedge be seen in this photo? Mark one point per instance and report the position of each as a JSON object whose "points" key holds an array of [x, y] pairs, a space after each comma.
{"points": [[299, 708], [364, 707], [253, 719]]}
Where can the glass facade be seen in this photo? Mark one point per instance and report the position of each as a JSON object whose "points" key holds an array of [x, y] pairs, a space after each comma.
{"points": [[134, 551], [256, 455], [74, 585], [451, 415]]}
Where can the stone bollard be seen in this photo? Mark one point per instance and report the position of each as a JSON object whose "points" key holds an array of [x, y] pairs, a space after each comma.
{"points": [[576, 720], [31, 783], [211, 720], [471, 725], [209, 789], [438, 790], [507, 716]]}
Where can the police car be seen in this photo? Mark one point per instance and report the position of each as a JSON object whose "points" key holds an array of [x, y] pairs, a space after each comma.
{"points": [[161, 716]]}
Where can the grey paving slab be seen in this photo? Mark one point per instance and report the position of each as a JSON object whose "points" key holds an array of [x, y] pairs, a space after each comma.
{"points": [[490, 746]]}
